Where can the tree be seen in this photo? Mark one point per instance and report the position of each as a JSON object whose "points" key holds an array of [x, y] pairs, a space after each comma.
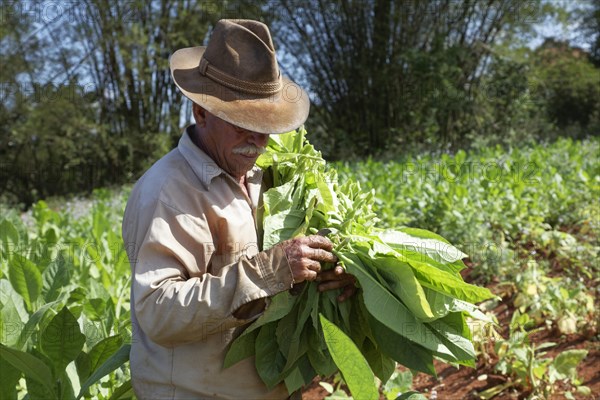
{"points": [[385, 72], [572, 85], [588, 14], [127, 45], [88, 98]]}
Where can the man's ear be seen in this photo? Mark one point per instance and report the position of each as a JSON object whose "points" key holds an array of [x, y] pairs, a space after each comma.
{"points": [[199, 114]]}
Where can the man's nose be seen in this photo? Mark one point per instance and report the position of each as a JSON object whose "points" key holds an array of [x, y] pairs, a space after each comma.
{"points": [[258, 139]]}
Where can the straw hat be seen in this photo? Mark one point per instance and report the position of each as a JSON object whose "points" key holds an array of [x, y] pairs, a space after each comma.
{"points": [[236, 77]]}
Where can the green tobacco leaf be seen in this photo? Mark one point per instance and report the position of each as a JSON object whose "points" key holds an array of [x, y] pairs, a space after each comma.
{"points": [[65, 383], [400, 382], [9, 238], [397, 293], [442, 304], [241, 348], [319, 356], [294, 346], [327, 195], [83, 365], [55, 277], [29, 327], [269, 360], [281, 305], [36, 390], [382, 366], [279, 198], [402, 282], [30, 365], [427, 243], [115, 361], [565, 364], [353, 366], [281, 226], [103, 350], [327, 307], [12, 313], [25, 278], [95, 308], [62, 339], [422, 233], [448, 283], [402, 350], [302, 374], [412, 395], [456, 336], [125, 391], [360, 329], [10, 378], [121, 260], [382, 305]]}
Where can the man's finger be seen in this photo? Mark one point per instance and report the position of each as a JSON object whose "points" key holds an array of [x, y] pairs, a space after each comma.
{"points": [[347, 293], [314, 266], [334, 274], [329, 285], [333, 283], [310, 275], [319, 242], [322, 255]]}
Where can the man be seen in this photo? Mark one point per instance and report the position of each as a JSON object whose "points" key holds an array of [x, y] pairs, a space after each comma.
{"points": [[199, 273]]}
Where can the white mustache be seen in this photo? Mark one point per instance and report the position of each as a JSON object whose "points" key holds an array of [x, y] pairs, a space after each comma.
{"points": [[249, 150]]}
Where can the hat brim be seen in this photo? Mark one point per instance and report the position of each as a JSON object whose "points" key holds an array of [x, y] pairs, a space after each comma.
{"points": [[278, 113]]}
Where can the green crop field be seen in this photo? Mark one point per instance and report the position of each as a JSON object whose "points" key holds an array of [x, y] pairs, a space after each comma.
{"points": [[528, 218]]}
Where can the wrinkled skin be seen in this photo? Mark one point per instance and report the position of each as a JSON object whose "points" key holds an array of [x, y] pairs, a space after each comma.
{"points": [[305, 255]]}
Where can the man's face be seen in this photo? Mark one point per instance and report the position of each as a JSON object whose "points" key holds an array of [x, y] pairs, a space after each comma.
{"points": [[234, 149]]}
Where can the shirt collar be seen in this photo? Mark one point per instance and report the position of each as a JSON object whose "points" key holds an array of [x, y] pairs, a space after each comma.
{"points": [[205, 168]]}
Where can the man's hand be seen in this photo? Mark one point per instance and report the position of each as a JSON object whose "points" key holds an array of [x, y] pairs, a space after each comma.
{"points": [[305, 255], [337, 278]]}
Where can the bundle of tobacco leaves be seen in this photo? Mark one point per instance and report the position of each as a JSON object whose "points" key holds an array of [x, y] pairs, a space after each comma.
{"points": [[412, 302]]}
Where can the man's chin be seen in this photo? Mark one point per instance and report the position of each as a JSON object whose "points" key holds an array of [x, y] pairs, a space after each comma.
{"points": [[251, 159], [245, 164]]}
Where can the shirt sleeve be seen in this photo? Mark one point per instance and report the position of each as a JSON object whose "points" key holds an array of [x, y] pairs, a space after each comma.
{"points": [[177, 301]]}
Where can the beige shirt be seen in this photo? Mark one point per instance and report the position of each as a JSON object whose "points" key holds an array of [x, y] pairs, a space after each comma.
{"points": [[191, 237]]}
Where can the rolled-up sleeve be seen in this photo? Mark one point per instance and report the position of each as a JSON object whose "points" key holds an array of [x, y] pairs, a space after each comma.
{"points": [[178, 299]]}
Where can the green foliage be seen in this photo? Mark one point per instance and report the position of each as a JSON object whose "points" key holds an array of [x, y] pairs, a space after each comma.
{"points": [[570, 86], [400, 384], [528, 219], [589, 27], [384, 79], [65, 319], [526, 364], [385, 82], [560, 301], [413, 302], [102, 106], [509, 104], [527, 216], [498, 206], [349, 359]]}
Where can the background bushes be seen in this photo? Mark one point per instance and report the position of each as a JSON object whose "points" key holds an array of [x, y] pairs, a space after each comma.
{"points": [[87, 97]]}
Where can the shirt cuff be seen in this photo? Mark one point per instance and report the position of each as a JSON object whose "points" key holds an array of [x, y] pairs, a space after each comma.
{"points": [[276, 272], [275, 269]]}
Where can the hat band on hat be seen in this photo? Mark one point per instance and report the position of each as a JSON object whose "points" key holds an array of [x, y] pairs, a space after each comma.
{"points": [[261, 88]]}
